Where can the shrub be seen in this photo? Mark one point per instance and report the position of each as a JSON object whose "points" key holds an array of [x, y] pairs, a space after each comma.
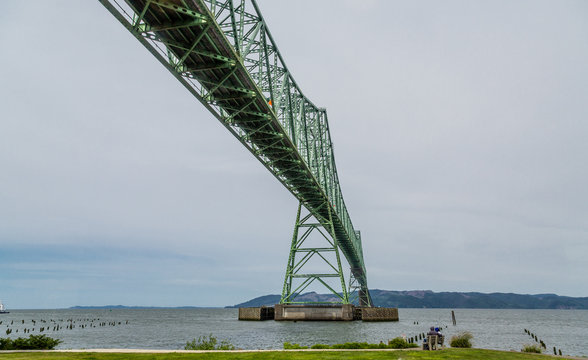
{"points": [[5, 344], [208, 343], [400, 343], [352, 345], [359, 345], [531, 349], [462, 340], [225, 345], [397, 343], [34, 342], [381, 345]]}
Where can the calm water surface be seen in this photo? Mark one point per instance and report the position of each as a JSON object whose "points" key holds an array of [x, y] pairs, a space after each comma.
{"points": [[172, 328]]}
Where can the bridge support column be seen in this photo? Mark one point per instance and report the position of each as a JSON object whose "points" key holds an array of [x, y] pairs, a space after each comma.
{"points": [[297, 280], [358, 293]]}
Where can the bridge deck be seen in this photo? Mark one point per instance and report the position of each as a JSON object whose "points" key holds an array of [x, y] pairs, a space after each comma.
{"points": [[271, 117]]}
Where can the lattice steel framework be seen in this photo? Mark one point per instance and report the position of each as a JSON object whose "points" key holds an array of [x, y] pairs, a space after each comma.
{"points": [[301, 254], [224, 54]]}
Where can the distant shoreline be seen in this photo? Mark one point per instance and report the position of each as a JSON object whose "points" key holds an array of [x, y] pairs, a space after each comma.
{"points": [[411, 299], [427, 299], [122, 307], [110, 307]]}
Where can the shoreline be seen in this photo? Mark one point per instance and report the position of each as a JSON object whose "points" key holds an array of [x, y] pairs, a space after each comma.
{"points": [[162, 351]]}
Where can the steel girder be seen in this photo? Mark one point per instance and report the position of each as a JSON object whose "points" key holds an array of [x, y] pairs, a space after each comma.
{"points": [[224, 54], [301, 254]]}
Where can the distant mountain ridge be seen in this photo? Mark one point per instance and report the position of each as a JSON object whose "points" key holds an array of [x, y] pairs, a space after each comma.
{"points": [[138, 307], [454, 300]]}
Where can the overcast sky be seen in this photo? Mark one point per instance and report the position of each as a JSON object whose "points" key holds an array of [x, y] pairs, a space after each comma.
{"points": [[460, 132]]}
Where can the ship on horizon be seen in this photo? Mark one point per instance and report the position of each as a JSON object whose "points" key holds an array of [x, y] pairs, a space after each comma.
{"points": [[3, 309]]}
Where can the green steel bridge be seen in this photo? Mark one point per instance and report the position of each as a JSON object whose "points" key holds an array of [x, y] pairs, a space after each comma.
{"points": [[223, 53]]}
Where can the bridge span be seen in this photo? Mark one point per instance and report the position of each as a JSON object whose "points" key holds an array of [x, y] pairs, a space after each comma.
{"points": [[224, 54]]}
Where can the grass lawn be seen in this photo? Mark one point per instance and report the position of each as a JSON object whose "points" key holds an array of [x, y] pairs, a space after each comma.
{"points": [[287, 355]]}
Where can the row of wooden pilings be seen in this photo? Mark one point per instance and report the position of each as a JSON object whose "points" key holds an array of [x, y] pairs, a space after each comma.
{"points": [[533, 336], [56, 325]]}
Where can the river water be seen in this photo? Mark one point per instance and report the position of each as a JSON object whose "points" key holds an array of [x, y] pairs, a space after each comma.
{"points": [[172, 328]]}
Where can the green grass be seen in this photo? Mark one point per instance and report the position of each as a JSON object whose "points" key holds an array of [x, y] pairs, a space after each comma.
{"points": [[449, 354]]}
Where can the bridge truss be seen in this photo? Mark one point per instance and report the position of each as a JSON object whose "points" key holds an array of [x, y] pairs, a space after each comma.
{"points": [[224, 54]]}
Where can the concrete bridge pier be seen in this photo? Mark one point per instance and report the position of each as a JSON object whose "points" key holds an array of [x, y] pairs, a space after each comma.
{"points": [[281, 312], [313, 312]]}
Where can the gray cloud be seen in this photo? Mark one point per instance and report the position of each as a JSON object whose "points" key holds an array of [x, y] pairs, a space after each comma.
{"points": [[458, 126]]}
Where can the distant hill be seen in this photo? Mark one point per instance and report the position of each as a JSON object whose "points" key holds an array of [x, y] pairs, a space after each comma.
{"points": [[453, 300], [136, 307]]}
